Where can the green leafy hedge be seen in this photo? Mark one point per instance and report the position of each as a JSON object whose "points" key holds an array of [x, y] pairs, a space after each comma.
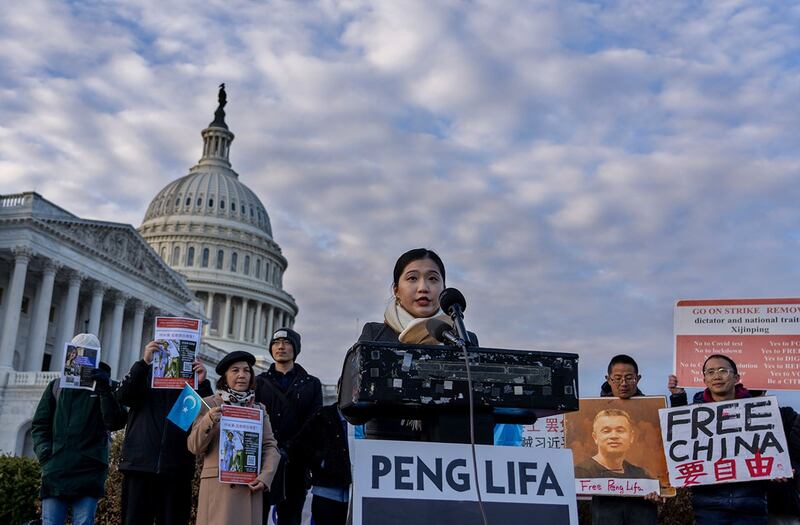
{"points": [[20, 479]]}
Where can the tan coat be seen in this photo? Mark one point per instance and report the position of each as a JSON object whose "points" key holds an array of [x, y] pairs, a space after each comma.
{"points": [[222, 503]]}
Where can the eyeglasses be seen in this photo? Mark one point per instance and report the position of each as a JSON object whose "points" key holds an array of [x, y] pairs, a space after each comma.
{"points": [[722, 371], [623, 379]]}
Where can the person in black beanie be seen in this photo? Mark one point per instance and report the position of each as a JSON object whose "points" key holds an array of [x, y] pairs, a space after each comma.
{"points": [[291, 396]]}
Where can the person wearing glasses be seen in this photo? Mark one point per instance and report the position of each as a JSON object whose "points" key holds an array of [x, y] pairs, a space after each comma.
{"points": [[622, 381], [728, 503]]}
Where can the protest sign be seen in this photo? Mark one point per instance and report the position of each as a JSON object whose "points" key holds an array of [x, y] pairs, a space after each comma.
{"points": [[400, 482], [761, 335], [725, 442], [76, 370], [546, 432], [240, 430], [177, 339], [616, 445]]}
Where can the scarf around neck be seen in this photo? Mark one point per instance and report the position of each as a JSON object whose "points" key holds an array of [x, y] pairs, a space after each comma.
{"points": [[411, 329], [234, 397]]}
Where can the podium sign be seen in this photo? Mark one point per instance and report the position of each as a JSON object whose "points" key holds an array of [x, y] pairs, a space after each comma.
{"points": [[401, 482]]}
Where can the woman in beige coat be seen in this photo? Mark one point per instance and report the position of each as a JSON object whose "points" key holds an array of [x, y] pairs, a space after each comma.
{"points": [[222, 503]]}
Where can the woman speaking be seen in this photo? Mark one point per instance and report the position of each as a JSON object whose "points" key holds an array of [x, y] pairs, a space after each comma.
{"points": [[223, 502], [418, 279]]}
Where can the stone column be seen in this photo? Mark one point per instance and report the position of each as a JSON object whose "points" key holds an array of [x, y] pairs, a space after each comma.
{"points": [[41, 317], [135, 351], [10, 326], [66, 324], [243, 321], [270, 322], [226, 325], [209, 312], [283, 319], [258, 331], [96, 310], [112, 354]]}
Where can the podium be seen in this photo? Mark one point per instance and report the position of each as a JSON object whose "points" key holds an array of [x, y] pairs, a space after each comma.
{"points": [[393, 381]]}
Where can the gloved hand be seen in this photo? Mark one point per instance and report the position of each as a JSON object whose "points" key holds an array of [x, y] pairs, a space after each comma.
{"points": [[102, 380]]}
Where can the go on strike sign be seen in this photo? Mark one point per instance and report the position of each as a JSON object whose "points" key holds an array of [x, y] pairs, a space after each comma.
{"points": [[761, 335], [724, 442]]}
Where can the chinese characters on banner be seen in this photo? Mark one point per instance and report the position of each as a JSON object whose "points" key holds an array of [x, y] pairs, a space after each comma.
{"points": [[177, 339], [547, 432], [240, 431], [723, 442], [402, 482], [761, 335], [616, 445]]}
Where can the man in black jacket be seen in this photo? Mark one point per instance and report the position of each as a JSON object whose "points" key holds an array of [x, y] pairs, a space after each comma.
{"points": [[157, 467], [291, 397], [622, 381]]}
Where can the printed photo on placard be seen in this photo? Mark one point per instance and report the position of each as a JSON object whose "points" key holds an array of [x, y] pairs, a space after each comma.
{"points": [[616, 446], [79, 361], [177, 340]]}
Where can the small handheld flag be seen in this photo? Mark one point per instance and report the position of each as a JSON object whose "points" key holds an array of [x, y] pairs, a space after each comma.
{"points": [[186, 408]]}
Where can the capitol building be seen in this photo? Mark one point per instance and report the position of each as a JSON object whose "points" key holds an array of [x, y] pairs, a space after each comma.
{"points": [[204, 250]]}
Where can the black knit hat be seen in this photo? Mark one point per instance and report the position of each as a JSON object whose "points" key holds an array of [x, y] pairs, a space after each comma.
{"points": [[286, 333], [234, 357]]}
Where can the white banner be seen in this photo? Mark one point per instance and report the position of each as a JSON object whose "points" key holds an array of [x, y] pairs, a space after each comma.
{"points": [[399, 482], [725, 442]]}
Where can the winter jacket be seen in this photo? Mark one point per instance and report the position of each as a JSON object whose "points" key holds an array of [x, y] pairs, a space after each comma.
{"points": [[224, 502], [153, 444], [392, 428], [322, 443], [746, 498], [784, 498], [70, 438], [288, 409], [615, 510]]}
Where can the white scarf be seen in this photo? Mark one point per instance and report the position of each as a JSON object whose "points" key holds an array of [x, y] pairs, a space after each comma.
{"points": [[411, 329]]}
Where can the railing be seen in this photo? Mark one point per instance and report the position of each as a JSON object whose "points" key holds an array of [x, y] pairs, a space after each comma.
{"points": [[32, 378], [12, 201]]}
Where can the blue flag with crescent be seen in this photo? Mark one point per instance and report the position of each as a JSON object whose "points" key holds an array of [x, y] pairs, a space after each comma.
{"points": [[185, 408]]}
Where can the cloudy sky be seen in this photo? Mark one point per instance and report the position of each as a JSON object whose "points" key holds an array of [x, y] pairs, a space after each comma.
{"points": [[579, 166]]}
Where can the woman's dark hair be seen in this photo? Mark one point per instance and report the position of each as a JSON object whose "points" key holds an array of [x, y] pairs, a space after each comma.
{"points": [[720, 356], [222, 384], [415, 255]]}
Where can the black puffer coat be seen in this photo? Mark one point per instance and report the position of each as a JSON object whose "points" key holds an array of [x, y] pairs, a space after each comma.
{"points": [[290, 409], [322, 443], [153, 444]]}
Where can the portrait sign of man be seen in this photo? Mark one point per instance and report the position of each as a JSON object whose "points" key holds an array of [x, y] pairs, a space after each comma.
{"points": [[616, 446]]}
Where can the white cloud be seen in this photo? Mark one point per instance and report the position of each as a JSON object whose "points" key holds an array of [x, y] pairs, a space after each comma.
{"points": [[579, 166]]}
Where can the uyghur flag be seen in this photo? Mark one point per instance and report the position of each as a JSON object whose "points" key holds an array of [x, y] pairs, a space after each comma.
{"points": [[185, 408]]}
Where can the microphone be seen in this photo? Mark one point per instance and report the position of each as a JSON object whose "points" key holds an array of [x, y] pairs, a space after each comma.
{"points": [[442, 333], [453, 303]]}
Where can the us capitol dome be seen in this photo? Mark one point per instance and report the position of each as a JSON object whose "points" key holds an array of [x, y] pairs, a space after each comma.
{"points": [[215, 231]]}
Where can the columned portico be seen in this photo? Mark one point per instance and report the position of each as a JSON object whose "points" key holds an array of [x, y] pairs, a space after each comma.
{"points": [[41, 316], [96, 308], [113, 353], [8, 339], [69, 311]]}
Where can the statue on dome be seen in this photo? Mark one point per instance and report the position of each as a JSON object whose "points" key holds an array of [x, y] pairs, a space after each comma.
{"points": [[219, 114]]}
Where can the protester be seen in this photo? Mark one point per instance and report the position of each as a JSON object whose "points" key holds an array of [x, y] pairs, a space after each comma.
{"points": [[157, 467], [223, 502], [70, 432], [418, 279], [743, 503], [622, 381], [291, 396], [323, 442]]}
